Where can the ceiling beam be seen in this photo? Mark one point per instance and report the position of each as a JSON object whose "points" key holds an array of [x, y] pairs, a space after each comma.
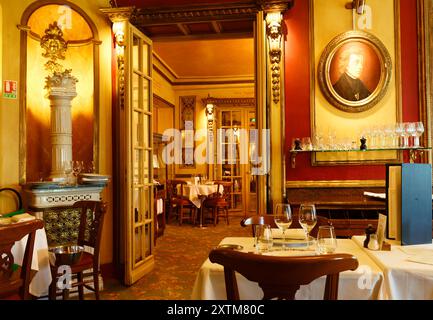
{"points": [[217, 26], [185, 30]]}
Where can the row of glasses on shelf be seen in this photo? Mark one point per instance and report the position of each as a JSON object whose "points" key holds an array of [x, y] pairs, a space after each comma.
{"points": [[398, 135], [326, 238], [388, 136]]}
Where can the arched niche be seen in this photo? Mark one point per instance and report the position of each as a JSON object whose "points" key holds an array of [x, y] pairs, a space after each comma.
{"points": [[82, 57]]}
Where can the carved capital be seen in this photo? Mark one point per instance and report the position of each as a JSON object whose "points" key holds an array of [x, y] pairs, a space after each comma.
{"points": [[61, 84], [275, 5], [118, 14], [275, 35]]}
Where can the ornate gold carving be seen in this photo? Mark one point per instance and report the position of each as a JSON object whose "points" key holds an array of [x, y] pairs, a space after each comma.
{"points": [[55, 47], [274, 33], [230, 101], [60, 80], [118, 14], [187, 125], [275, 5]]}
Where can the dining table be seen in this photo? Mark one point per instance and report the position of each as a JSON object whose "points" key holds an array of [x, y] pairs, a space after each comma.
{"points": [[197, 193], [407, 270], [364, 283], [40, 262]]}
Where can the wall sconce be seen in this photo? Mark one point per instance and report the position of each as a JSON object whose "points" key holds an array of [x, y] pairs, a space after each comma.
{"points": [[357, 5]]}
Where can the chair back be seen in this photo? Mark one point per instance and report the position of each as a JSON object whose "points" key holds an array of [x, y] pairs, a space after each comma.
{"points": [[172, 191], [258, 220], [224, 190], [8, 235], [280, 277], [92, 215]]}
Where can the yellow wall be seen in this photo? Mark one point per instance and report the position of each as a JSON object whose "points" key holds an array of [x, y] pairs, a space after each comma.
{"points": [[10, 109], [386, 111], [162, 88]]}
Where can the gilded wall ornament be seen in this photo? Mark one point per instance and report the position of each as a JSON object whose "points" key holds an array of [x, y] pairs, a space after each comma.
{"points": [[274, 33], [55, 47]]}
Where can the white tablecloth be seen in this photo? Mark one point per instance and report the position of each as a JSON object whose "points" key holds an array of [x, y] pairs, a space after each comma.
{"points": [[363, 283], [403, 279], [40, 262], [195, 192]]}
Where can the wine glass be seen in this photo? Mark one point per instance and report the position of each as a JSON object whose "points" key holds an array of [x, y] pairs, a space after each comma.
{"points": [[283, 218], [67, 170], [326, 240], [77, 169], [399, 128], [307, 218], [419, 127]]}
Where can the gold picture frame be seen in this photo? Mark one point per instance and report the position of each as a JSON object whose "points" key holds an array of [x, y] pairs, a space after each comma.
{"points": [[354, 71]]}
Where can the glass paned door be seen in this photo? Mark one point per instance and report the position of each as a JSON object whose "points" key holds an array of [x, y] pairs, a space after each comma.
{"points": [[234, 126], [138, 133]]}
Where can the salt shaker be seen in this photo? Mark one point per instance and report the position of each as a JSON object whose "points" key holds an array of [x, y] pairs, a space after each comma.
{"points": [[373, 244]]}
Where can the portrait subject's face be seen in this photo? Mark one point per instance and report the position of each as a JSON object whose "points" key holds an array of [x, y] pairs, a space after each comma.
{"points": [[355, 65]]}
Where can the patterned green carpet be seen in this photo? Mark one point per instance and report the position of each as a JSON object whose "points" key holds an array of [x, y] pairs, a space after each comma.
{"points": [[179, 254]]}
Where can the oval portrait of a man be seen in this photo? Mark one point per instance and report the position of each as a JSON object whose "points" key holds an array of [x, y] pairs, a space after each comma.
{"points": [[355, 71]]}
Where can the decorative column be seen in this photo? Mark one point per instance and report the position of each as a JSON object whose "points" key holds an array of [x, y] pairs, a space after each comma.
{"points": [[61, 87], [61, 90], [275, 101]]}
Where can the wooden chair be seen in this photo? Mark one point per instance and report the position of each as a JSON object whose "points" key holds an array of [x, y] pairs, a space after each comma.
{"points": [[90, 231], [258, 220], [280, 277], [17, 280], [179, 202], [219, 202]]}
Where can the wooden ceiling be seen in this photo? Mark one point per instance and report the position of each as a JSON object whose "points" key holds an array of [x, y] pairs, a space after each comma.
{"points": [[196, 24], [193, 19]]}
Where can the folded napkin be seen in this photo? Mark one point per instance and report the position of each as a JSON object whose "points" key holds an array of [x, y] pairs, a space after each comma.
{"points": [[23, 217], [297, 234], [4, 221]]}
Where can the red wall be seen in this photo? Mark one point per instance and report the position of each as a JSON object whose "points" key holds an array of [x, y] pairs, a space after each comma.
{"points": [[297, 83]]}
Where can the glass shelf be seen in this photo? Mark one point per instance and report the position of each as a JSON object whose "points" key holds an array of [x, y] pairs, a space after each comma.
{"points": [[414, 152]]}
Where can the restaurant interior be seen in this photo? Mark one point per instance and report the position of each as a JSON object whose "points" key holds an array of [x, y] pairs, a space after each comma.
{"points": [[216, 149]]}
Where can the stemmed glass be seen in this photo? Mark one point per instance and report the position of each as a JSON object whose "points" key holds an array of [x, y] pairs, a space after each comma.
{"points": [[283, 218], [67, 170], [410, 130], [77, 169], [419, 130], [399, 128], [307, 218]]}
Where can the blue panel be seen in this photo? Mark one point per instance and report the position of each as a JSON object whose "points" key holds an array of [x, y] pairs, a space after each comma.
{"points": [[416, 206]]}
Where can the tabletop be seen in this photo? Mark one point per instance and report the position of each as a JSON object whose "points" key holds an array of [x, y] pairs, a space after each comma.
{"points": [[364, 283], [408, 270]]}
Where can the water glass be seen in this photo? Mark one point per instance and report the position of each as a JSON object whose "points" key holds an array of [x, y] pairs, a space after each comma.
{"points": [[283, 218], [264, 238], [326, 240]]}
